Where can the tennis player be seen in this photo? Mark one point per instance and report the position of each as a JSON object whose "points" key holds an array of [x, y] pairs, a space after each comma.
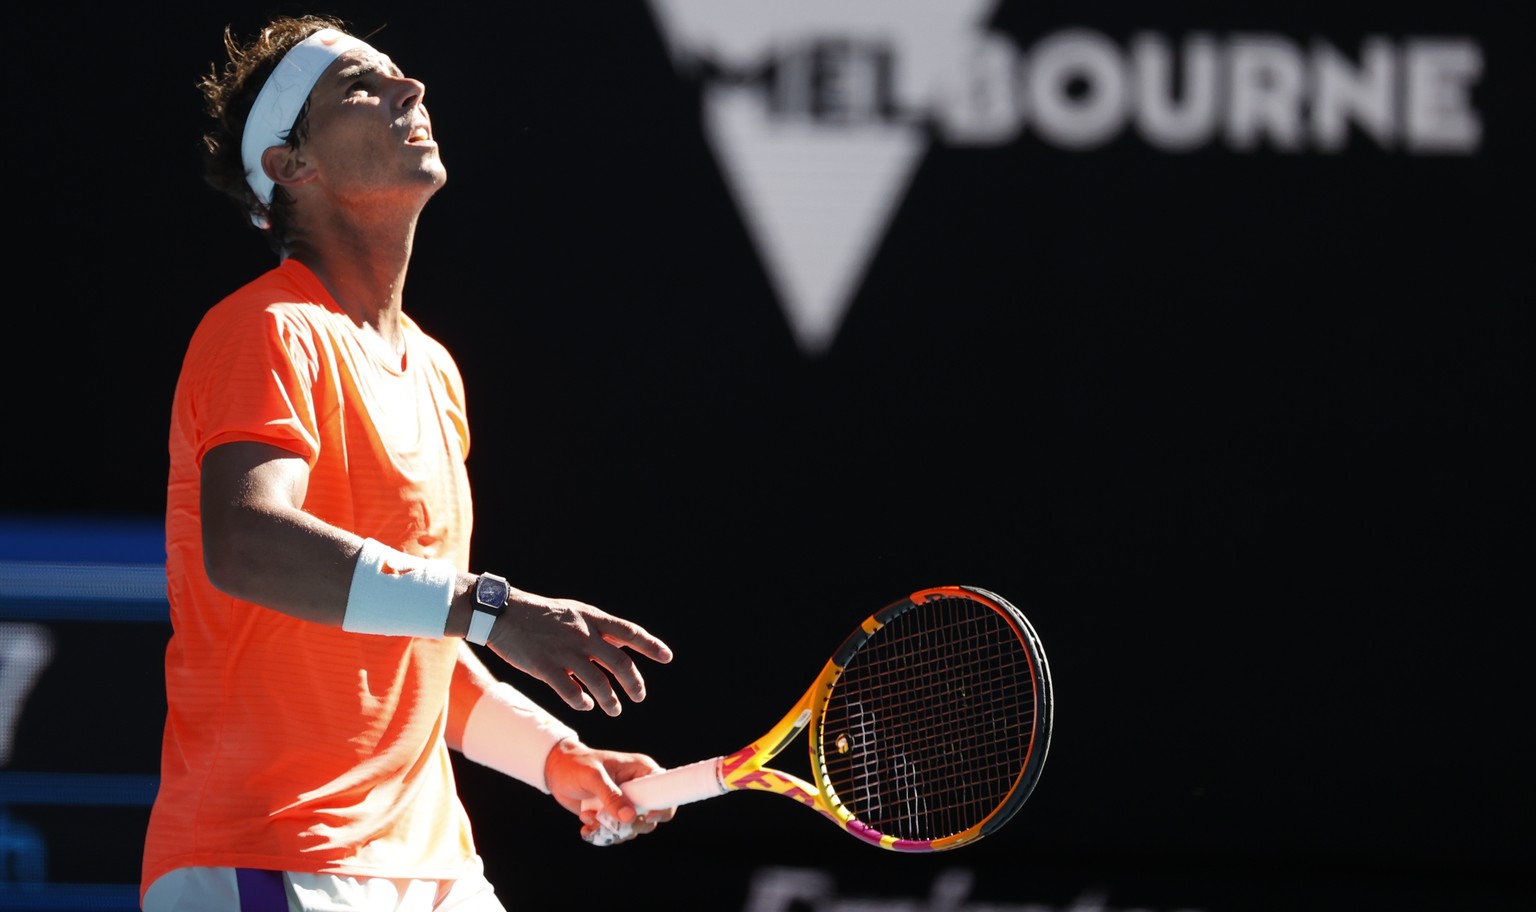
{"points": [[318, 537]]}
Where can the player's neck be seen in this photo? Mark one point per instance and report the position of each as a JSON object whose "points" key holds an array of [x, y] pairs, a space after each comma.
{"points": [[362, 266]]}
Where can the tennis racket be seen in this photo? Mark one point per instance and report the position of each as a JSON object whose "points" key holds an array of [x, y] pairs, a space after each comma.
{"points": [[927, 728]]}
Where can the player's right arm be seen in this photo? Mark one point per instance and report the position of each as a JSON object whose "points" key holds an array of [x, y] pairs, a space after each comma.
{"points": [[261, 546]]}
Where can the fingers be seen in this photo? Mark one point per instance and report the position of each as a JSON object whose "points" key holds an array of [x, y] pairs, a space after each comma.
{"points": [[595, 680], [613, 660], [568, 690], [578, 650], [610, 833], [622, 667], [587, 685], [610, 824], [607, 816], [590, 781], [605, 826], [620, 632]]}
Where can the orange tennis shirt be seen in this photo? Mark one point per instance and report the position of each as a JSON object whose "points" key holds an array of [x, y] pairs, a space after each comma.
{"points": [[291, 745]]}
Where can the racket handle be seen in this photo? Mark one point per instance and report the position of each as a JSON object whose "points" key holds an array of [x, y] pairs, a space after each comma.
{"points": [[679, 785], [661, 789]]}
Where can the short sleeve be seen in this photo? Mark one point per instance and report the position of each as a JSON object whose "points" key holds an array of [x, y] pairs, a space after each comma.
{"points": [[255, 370]]}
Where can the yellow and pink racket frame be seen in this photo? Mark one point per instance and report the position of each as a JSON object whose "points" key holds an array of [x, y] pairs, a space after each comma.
{"points": [[744, 770]]}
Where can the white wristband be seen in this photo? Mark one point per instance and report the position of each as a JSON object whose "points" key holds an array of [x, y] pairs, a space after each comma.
{"points": [[511, 734], [398, 594]]}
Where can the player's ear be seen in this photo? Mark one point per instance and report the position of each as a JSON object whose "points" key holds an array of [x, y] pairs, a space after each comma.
{"points": [[287, 166]]}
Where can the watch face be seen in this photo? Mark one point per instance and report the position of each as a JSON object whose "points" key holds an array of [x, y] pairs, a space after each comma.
{"points": [[491, 592]]}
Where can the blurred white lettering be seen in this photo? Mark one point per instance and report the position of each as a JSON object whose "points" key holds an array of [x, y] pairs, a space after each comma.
{"points": [[1440, 117], [1076, 84], [1345, 94], [1078, 90], [1265, 84], [776, 889], [1172, 120], [820, 111]]}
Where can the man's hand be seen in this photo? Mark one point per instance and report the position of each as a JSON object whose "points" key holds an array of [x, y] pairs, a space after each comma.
{"points": [[571, 645], [585, 782]]}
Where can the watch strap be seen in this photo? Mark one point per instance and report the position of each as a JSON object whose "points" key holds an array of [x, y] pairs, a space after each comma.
{"points": [[491, 594], [480, 624]]}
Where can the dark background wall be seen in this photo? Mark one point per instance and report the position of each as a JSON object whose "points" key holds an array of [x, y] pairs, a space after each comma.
{"points": [[1240, 427]]}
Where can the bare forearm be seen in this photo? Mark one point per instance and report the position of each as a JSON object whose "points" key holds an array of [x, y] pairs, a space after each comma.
{"points": [[290, 561], [282, 559], [261, 546]]}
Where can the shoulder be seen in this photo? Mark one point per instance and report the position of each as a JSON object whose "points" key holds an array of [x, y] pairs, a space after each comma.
{"points": [[435, 352], [285, 302], [277, 321], [286, 291]]}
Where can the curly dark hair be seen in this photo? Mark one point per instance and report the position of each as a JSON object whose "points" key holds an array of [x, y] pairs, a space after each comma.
{"points": [[229, 91]]}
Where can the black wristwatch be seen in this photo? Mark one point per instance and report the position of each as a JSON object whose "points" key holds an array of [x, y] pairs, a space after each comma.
{"points": [[491, 594]]}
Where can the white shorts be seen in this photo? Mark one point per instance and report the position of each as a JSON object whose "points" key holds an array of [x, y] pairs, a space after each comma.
{"points": [[201, 889]]}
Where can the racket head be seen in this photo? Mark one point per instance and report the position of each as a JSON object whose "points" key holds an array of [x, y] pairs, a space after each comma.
{"points": [[931, 723]]}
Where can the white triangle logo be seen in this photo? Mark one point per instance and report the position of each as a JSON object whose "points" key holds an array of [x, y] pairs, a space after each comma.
{"points": [[815, 202], [814, 127]]}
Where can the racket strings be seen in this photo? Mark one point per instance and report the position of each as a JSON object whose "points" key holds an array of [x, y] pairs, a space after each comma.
{"points": [[927, 729]]}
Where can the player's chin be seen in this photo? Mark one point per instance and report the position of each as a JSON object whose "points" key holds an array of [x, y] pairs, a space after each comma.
{"points": [[430, 172]]}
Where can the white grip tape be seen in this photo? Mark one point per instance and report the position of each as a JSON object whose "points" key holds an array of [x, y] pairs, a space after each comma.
{"points": [[661, 789], [680, 785]]}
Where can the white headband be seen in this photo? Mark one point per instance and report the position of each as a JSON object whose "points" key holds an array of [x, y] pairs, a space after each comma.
{"points": [[278, 103]]}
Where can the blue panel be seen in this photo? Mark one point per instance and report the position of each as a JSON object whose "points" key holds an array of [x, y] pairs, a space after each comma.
{"points": [[95, 789], [69, 897], [89, 539]]}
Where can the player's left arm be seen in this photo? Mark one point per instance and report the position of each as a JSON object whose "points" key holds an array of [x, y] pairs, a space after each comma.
{"points": [[496, 725]]}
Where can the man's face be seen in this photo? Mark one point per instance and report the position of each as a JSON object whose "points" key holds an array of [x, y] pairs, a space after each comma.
{"points": [[369, 136]]}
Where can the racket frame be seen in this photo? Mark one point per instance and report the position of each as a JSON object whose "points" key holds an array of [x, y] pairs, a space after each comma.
{"points": [[746, 769]]}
